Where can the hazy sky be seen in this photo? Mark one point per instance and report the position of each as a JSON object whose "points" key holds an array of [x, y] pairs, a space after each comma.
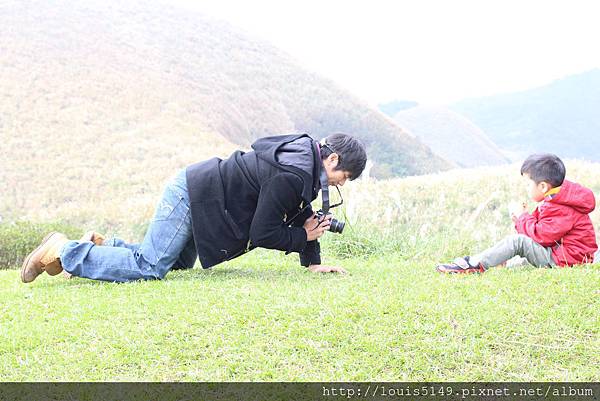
{"points": [[429, 51]]}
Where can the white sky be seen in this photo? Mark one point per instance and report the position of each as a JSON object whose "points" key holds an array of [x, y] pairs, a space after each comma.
{"points": [[433, 52]]}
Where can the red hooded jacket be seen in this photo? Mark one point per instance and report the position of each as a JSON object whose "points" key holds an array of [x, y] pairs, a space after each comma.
{"points": [[562, 222]]}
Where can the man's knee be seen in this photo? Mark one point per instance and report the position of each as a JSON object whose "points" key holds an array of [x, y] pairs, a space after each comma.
{"points": [[152, 271], [154, 274], [160, 271]]}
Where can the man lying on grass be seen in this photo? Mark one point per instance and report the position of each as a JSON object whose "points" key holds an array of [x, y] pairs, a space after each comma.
{"points": [[217, 210], [558, 233]]}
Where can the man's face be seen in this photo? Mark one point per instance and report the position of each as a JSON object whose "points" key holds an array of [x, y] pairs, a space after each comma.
{"points": [[535, 190], [335, 177]]}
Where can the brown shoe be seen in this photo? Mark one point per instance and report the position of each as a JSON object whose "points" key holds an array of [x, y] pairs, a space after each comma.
{"points": [[91, 236], [45, 258]]}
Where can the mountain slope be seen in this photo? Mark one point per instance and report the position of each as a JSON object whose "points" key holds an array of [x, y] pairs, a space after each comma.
{"points": [[562, 117], [151, 56], [394, 106], [450, 135], [101, 102]]}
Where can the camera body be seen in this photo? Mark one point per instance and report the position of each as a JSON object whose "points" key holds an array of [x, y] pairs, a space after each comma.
{"points": [[336, 226]]}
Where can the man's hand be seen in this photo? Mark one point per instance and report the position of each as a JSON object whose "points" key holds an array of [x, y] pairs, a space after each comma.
{"points": [[314, 230], [326, 269]]}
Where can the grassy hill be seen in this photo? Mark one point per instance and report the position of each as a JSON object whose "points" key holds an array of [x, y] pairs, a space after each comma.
{"points": [[101, 102], [263, 317], [450, 135], [561, 117]]}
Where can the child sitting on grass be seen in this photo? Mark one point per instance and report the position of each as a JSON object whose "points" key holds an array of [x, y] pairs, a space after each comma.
{"points": [[559, 232]]}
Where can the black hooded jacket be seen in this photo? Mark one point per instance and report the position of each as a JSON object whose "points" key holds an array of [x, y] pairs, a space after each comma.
{"points": [[247, 200]]}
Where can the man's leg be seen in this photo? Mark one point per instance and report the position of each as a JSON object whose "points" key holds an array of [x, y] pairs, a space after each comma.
{"points": [[167, 237], [100, 240], [513, 245], [119, 243], [187, 258]]}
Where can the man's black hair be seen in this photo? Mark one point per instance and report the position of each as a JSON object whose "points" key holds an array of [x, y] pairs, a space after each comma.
{"points": [[352, 156], [544, 167]]}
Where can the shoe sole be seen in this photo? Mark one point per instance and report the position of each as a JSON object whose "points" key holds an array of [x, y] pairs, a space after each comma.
{"points": [[28, 258], [457, 271]]}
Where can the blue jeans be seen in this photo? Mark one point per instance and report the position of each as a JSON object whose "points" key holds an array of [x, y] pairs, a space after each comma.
{"points": [[168, 244]]}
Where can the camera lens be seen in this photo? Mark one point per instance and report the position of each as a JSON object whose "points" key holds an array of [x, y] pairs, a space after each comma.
{"points": [[336, 226]]}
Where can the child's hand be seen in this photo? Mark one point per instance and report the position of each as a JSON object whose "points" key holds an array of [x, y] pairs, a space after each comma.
{"points": [[516, 209]]}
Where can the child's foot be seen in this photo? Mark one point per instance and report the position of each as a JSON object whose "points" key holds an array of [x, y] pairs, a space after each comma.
{"points": [[460, 266]]}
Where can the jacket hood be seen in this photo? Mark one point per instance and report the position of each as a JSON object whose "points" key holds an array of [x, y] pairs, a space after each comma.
{"points": [[575, 196], [296, 153]]}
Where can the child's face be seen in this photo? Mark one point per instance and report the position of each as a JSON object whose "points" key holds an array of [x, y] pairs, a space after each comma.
{"points": [[535, 190]]}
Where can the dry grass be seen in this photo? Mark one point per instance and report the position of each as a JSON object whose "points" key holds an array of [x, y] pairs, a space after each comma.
{"points": [[111, 180], [122, 72], [441, 214]]}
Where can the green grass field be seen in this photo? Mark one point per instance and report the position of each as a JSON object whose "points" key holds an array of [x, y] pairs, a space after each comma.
{"points": [[265, 318], [262, 317]]}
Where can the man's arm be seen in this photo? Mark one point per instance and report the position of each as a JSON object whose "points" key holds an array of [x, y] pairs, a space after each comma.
{"points": [[279, 194], [312, 253], [311, 258]]}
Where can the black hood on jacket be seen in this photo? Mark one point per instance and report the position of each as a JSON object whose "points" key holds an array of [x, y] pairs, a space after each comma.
{"points": [[297, 153]]}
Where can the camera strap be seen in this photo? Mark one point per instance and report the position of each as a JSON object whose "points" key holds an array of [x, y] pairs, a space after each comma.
{"points": [[324, 191], [288, 222], [324, 195]]}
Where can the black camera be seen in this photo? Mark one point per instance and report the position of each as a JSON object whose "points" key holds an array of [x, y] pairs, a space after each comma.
{"points": [[336, 225]]}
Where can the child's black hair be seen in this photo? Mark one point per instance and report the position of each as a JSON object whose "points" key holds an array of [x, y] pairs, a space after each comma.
{"points": [[544, 167]]}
